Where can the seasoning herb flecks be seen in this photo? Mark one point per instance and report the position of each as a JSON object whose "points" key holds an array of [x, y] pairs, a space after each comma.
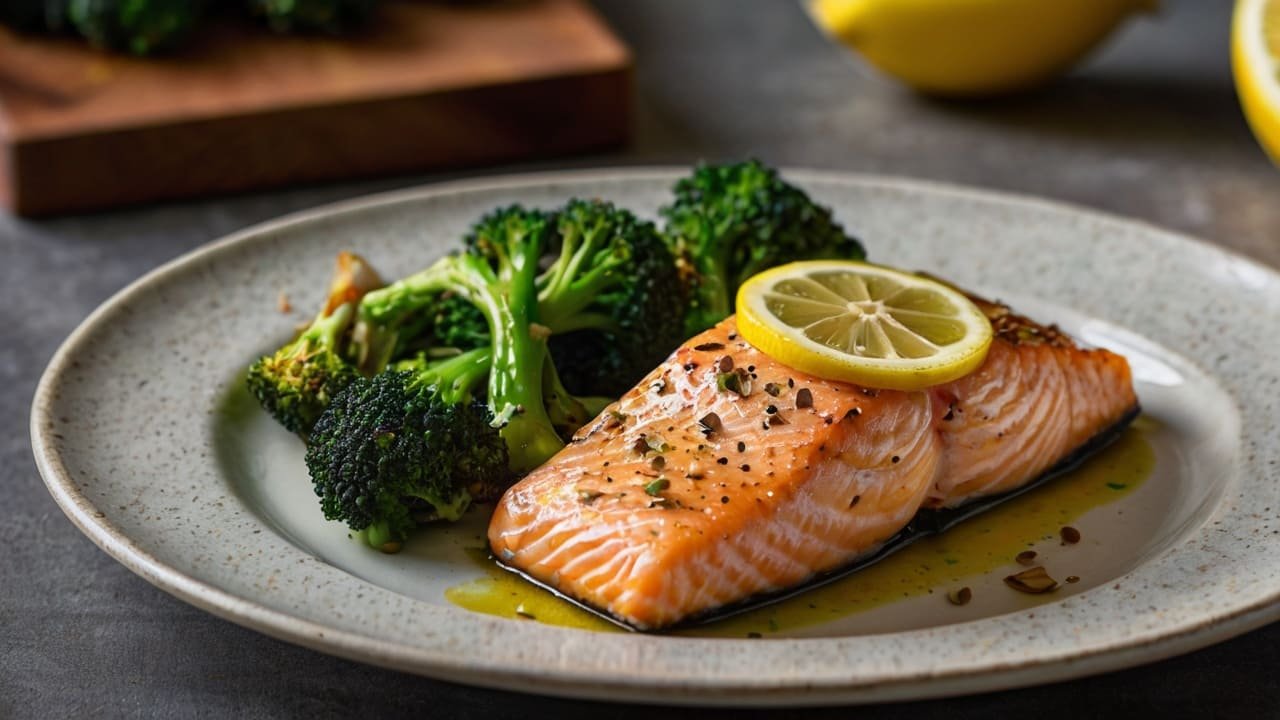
{"points": [[711, 424], [804, 398], [656, 487], [737, 381]]}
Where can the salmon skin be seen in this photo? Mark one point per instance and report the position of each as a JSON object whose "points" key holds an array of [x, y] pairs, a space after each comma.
{"points": [[726, 477]]}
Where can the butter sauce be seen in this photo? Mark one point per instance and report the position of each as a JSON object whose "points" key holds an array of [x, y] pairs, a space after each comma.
{"points": [[931, 565]]}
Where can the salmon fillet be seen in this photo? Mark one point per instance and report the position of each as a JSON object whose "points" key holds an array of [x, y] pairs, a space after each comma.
{"points": [[725, 474]]}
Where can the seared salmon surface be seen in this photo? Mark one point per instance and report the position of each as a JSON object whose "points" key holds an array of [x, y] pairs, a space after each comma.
{"points": [[725, 474]]}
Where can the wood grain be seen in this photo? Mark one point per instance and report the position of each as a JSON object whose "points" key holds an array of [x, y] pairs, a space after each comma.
{"points": [[430, 86]]}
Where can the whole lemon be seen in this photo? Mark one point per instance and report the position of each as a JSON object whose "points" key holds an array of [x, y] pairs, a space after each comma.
{"points": [[972, 47], [1255, 59]]}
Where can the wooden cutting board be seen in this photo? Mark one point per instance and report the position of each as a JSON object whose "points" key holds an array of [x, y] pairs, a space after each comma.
{"points": [[431, 85]]}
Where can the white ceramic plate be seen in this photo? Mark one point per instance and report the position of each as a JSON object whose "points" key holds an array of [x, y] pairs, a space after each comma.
{"points": [[143, 436]]}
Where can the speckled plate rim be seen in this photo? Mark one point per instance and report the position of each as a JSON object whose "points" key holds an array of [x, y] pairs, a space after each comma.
{"points": [[660, 666]]}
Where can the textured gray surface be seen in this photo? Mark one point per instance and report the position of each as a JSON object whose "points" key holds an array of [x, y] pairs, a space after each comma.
{"points": [[1150, 128]]}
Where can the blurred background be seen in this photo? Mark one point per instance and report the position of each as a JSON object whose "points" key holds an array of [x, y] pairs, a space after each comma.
{"points": [[104, 185], [1148, 124]]}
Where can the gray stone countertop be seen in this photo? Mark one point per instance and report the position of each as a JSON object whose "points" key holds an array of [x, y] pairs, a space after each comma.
{"points": [[1149, 127]]}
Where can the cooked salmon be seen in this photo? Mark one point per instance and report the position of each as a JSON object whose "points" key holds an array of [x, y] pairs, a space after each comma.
{"points": [[725, 475]]}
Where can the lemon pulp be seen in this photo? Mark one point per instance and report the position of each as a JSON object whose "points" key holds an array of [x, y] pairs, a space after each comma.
{"points": [[863, 324]]}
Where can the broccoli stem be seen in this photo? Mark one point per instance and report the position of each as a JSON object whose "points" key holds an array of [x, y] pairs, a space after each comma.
{"points": [[567, 412], [456, 378], [595, 404], [582, 321], [515, 383], [327, 330], [508, 300], [567, 289], [380, 536], [451, 510]]}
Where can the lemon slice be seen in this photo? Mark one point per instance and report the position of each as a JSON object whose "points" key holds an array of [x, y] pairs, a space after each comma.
{"points": [[863, 324], [1255, 60]]}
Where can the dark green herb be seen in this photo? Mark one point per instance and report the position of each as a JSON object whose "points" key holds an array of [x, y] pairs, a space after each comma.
{"points": [[737, 381]]}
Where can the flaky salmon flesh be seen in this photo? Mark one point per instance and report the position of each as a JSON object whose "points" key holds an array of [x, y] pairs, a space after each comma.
{"points": [[725, 475]]}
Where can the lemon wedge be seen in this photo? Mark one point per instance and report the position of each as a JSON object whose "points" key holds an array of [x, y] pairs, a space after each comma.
{"points": [[972, 47], [863, 324], [1255, 59]]}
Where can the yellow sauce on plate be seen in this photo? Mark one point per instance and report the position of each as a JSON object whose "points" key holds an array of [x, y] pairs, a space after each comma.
{"points": [[932, 565]]}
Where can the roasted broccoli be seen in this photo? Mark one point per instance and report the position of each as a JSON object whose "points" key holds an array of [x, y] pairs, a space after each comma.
{"points": [[309, 16], [404, 448], [140, 27], [729, 222], [496, 274], [612, 298], [296, 383], [440, 326], [591, 284]]}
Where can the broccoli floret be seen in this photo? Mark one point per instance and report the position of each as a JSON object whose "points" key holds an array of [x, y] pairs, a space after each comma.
{"points": [[457, 378], [609, 287], [729, 222], [421, 440], [612, 298], [404, 448], [140, 27], [296, 383], [311, 16], [442, 327], [497, 275]]}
